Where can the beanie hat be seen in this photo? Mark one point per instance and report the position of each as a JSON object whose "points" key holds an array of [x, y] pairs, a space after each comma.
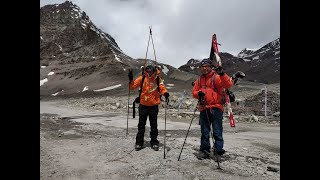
{"points": [[206, 61]]}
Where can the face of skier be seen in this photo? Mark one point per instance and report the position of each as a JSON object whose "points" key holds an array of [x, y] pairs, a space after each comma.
{"points": [[205, 68], [150, 70]]}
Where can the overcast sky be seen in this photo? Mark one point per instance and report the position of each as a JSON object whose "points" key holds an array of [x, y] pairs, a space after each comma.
{"points": [[182, 29]]}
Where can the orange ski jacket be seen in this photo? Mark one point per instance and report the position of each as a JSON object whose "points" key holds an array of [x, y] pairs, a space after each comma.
{"points": [[213, 95], [149, 95]]}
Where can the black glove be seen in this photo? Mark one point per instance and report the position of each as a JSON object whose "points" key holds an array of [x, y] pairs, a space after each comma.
{"points": [[219, 71], [130, 75], [238, 74], [232, 97], [166, 95], [201, 94]]}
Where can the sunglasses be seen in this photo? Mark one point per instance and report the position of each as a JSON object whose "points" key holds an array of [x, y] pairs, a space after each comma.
{"points": [[149, 68]]}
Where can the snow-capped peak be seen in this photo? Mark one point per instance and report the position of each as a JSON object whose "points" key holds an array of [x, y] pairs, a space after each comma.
{"points": [[193, 61]]}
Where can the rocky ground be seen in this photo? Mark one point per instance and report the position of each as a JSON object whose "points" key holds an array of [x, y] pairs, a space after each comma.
{"points": [[86, 138]]}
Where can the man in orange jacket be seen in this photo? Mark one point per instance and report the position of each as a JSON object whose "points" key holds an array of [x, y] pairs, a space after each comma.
{"points": [[149, 101], [208, 88]]}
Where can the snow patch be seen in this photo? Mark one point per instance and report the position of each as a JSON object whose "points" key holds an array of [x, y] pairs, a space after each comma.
{"points": [[43, 81], [263, 51], [246, 60], [107, 88], [41, 38], [165, 70], [59, 46], [43, 67], [192, 67], [252, 49], [83, 25], [117, 58], [170, 84], [254, 58], [85, 89], [115, 55], [50, 73], [57, 93], [277, 52]]}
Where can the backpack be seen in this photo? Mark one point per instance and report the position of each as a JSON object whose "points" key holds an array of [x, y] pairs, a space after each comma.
{"points": [[137, 100]]}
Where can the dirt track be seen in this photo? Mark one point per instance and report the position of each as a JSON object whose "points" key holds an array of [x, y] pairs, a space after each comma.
{"points": [[78, 144]]}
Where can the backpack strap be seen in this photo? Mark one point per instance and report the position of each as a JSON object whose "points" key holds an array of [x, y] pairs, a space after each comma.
{"points": [[213, 83], [137, 100], [158, 83], [199, 82], [143, 76]]}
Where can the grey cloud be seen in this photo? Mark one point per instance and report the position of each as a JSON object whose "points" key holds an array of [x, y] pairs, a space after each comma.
{"points": [[182, 29]]}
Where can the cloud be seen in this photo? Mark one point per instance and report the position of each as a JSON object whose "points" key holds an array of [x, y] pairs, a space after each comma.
{"points": [[182, 29]]}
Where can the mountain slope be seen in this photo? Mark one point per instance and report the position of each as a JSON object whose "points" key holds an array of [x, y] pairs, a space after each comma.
{"points": [[261, 65], [76, 57]]}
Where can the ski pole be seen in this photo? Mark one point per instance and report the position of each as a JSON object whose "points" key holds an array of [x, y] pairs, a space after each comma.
{"points": [[145, 60], [154, 51], [189, 128], [165, 131], [128, 105]]}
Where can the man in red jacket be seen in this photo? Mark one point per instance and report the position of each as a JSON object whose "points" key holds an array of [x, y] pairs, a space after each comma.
{"points": [[209, 88]]}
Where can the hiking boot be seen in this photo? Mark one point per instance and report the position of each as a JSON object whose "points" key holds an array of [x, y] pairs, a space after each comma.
{"points": [[202, 155], [155, 147], [137, 147]]}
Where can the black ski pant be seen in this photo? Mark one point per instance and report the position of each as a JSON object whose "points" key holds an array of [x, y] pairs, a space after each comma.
{"points": [[144, 112]]}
